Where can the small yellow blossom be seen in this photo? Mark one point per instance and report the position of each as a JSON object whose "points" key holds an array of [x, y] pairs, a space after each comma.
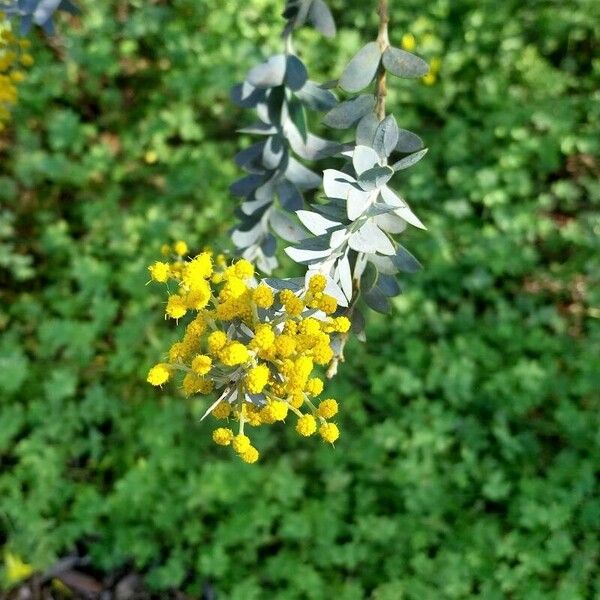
{"points": [[158, 374], [329, 432], [222, 436], [221, 411], [250, 456], [257, 378], [159, 271], [201, 364], [241, 443], [327, 408], [180, 247], [176, 307], [408, 42], [306, 425]]}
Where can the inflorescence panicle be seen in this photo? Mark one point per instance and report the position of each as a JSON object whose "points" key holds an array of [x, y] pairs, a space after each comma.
{"points": [[253, 347]]}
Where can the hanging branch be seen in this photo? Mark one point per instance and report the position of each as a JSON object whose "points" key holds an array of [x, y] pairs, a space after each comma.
{"points": [[279, 90], [353, 241]]}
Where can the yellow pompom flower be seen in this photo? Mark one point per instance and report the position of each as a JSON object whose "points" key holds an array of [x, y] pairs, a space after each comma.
{"points": [[250, 456], [216, 341], [314, 386], [263, 296], [244, 269], [221, 411], [241, 443], [341, 324], [201, 364], [306, 425], [159, 272], [234, 353], [317, 283], [285, 345], [222, 436], [327, 408], [180, 248], [176, 307], [197, 270], [257, 379], [328, 304], [158, 374], [329, 432], [408, 42], [264, 337]]}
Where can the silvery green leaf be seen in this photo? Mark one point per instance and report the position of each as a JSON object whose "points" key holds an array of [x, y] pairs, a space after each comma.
{"points": [[404, 64], [405, 261], [265, 190], [402, 210], [347, 113], [365, 130], [344, 276], [259, 128], [245, 185], [358, 324], [361, 70], [250, 158], [251, 206], [320, 242], [289, 196], [338, 238], [257, 399], [358, 202], [315, 223], [370, 239], [295, 73], [364, 158], [375, 177], [410, 160], [388, 285], [306, 257], [248, 221], [269, 245], [315, 97], [273, 152], [369, 277], [376, 300], [275, 104], [268, 74], [379, 208], [266, 264], [408, 141], [243, 239], [313, 148], [386, 137], [390, 223], [337, 184], [333, 289], [332, 211], [301, 177], [320, 17], [246, 96], [293, 283], [383, 264], [286, 227]]}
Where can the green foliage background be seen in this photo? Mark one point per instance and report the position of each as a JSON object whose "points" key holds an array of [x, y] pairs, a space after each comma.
{"points": [[470, 450]]}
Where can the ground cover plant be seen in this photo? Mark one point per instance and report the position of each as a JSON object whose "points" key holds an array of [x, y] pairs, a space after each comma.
{"points": [[468, 461]]}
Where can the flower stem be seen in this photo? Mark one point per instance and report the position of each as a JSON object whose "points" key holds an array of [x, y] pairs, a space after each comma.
{"points": [[384, 42]]}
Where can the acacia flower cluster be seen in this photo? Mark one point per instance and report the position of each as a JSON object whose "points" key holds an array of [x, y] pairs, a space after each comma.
{"points": [[254, 347], [13, 56]]}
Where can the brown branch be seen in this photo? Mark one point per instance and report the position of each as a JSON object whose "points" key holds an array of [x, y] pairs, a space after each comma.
{"points": [[384, 42]]}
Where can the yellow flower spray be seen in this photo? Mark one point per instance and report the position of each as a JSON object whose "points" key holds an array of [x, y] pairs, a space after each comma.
{"points": [[252, 346]]}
